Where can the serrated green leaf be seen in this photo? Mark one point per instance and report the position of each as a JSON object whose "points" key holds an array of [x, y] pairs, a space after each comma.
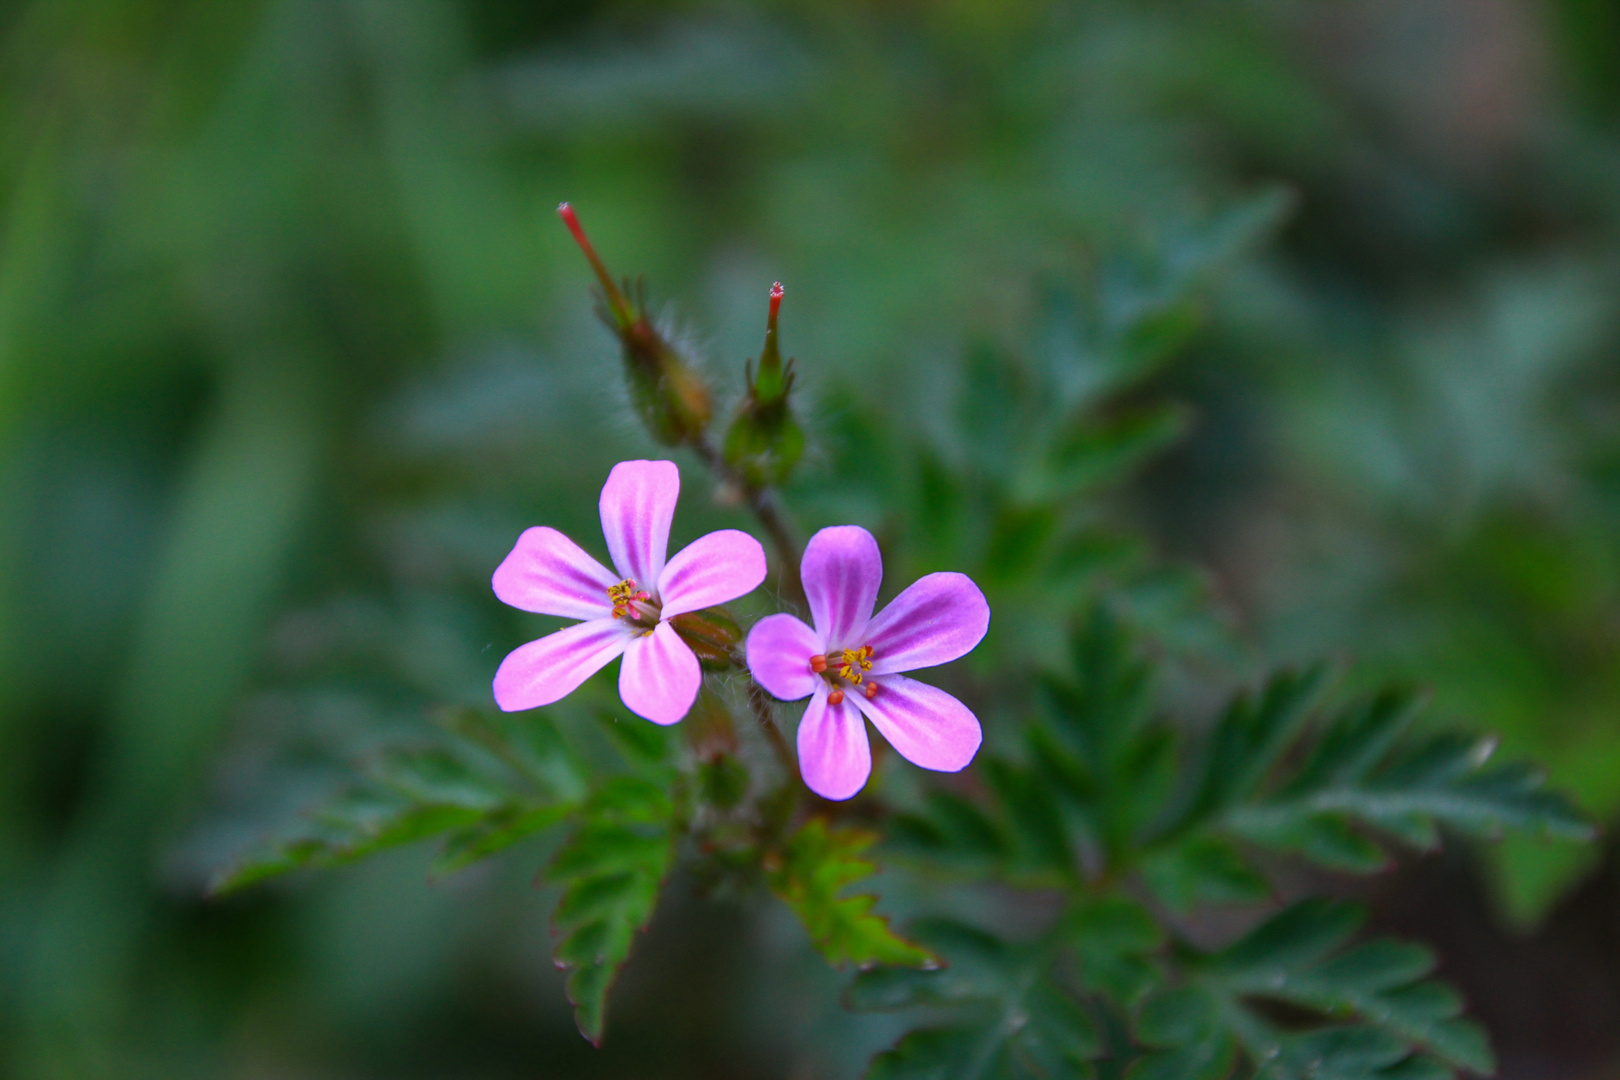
{"points": [[358, 824], [1203, 869], [1040, 840], [1299, 957], [610, 869], [642, 744], [1351, 1052], [1210, 1060], [1417, 1067], [1251, 736], [1359, 772], [438, 777], [528, 742], [1114, 939], [1159, 335], [1183, 1016], [1019, 1021], [1328, 840], [1103, 453], [932, 1054], [494, 833], [817, 865]]}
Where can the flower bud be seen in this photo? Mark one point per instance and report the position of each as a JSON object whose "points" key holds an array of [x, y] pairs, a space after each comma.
{"points": [[669, 396], [711, 633], [765, 441]]}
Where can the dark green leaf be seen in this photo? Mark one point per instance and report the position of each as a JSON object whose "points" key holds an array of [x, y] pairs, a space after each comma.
{"points": [[1203, 869], [1298, 957], [1114, 941], [1018, 1021], [610, 871], [494, 833]]}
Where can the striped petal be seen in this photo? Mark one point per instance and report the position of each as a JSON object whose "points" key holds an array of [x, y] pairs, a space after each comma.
{"points": [[842, 570], [550, 669], [638, 503], [660, 676], [834, 756], [550, 574]]}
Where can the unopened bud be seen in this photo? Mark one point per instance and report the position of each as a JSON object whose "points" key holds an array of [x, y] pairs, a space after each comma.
{"points": [[670, 397], [711, 633], [765, 442]]}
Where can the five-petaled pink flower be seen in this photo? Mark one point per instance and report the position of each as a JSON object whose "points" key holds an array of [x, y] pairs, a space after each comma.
{"points": [[851, 662], [627, 612]]}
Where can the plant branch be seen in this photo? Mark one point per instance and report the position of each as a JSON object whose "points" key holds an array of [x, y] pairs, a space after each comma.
{"points": [[760, 704], [768, 509]]}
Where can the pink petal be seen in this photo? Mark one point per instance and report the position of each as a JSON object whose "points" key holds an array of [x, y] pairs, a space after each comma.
{"points": [[550, 669], [926, 725], [834, 757], [779, 650], [711, 570], [937, 619], [548, 573], [660, 676], [842, 570], [638, 503]]}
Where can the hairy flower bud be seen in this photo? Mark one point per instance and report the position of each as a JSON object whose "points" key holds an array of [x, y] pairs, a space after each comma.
{"points": [[669, 396], [711, 633], [764, 441]]}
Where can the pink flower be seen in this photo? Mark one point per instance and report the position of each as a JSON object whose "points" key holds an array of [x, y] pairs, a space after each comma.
{"points": [[851, 662], [625, 612]]}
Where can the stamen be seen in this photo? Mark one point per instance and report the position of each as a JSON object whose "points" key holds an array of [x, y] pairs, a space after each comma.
{"points": [[835, 698], [871, 690], [818, 663], [628, 600], [854, 661]]}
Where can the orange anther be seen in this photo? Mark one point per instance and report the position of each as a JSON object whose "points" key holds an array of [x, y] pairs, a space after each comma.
{"points": [[871, 691], [818, 663], [835, 698]]}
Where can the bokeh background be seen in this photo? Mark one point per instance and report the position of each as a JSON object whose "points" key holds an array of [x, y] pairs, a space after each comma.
{"points": [[292, 346]]}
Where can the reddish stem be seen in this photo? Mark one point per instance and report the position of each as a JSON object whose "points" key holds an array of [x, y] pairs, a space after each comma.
{"points": [[776, 303], [615, 298]]}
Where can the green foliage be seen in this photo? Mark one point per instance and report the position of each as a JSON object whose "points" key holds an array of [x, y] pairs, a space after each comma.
{"points": [[817, 864], [501, 778], [1372, 1010], [610, 870], [504, 779], [1106, 785], [1019, 1020], [282, 372], [1111, 798]]}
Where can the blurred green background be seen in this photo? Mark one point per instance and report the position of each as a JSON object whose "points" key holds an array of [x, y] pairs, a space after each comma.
{"points": [[292, 347]]}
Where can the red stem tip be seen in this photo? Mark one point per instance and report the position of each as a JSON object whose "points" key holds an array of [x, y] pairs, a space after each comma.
{"points": [[614, 297], [776, 301]]}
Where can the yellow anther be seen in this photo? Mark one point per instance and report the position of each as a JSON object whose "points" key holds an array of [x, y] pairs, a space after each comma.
{"points": [[855, 661], [623, 595]]}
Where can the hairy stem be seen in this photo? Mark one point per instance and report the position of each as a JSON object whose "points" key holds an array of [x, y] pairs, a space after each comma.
{"points": [[768, 509], [760, 704]]}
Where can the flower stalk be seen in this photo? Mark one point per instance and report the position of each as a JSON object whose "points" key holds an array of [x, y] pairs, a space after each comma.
{"points": [[764, 441]]}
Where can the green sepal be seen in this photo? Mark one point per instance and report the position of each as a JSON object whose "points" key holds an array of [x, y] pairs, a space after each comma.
{"points": [[764, 441], [712, 634]]}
